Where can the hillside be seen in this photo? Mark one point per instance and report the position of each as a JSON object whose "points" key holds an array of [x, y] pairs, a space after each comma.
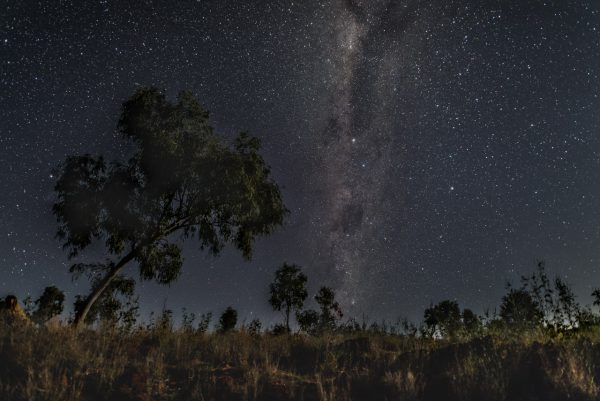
{"points": [[161, 364]]}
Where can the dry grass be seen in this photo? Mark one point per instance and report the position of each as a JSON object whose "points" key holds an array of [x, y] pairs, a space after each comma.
{"points": [[160, 364]]}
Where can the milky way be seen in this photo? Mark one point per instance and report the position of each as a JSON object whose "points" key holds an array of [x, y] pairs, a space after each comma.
{"points": [[358, 149]]}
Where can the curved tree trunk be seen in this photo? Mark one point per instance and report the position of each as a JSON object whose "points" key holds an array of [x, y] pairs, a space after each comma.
{"points": [[93, 297], [79, 320]]}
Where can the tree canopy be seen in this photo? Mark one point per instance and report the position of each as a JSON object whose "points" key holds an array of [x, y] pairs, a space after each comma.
{"points": [[519, 309], [49, 304], [288, 290], [181, 180], [313, 322], [228, 320], [443, 318]]}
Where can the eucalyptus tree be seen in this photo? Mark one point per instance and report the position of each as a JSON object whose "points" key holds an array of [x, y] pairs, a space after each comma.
{"points": [[180, 180], [288, 291]]}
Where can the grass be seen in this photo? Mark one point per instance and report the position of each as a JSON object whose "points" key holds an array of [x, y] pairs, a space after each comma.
{"points": [[162, 364]]}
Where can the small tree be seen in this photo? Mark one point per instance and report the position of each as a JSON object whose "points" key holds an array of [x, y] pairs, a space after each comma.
{"points": [[308, 321], [48, 305], [471, 322], [443, 319], [181, 180], [288, 291], [228, 320], [330, 308], [519, 310], [313, 322]]}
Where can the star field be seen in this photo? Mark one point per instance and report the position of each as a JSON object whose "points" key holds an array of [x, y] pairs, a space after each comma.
{"points": [[426, 150]]}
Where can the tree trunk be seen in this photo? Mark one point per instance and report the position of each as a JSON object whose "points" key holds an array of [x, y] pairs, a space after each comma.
{"points": [[287, 318], [93, 297]]}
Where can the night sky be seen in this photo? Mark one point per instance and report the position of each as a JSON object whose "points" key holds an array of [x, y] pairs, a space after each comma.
{"points": [[426, 149]]}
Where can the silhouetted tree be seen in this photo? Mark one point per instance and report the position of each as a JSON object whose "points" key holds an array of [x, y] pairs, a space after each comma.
{"points": [[520, 310], [308, 321], [313, 322], [48, 305], [228, 320], [288, 291], [180, 181], [443, 319], [330, 309], [471, 322]]}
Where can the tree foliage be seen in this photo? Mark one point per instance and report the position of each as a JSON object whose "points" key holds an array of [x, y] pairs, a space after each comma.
{"points": [[331, 311], [48, 305], [308, 321], [471, 322], [326, 320], [288, 291], [180, 181], [228, 320], [443, 319], [519, 310]]}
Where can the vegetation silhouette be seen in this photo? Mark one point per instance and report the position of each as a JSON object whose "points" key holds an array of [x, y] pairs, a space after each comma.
{"points": [[542, 345], [183, 179], [180, 178], [47, 306], [288, 291], [519, 310], [313, 322], [443, 319], [228, 320]]}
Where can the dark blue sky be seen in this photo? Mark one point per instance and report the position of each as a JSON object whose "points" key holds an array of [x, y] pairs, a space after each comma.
{"points": [[427, 150]]}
